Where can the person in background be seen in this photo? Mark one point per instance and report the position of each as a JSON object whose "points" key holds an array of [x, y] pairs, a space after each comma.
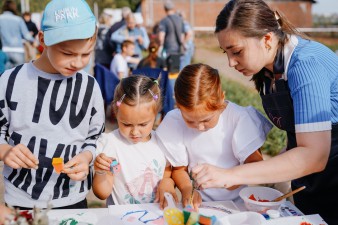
{"points": [[152, 60], [134, 146], [110, 46], [119, 65], [132, 33], [297, 79], [206, 128], [31, 26], [12, 32], [3, 59], [188, 42], [60, 115], [30, 49], [102, 56], [171, 31]]}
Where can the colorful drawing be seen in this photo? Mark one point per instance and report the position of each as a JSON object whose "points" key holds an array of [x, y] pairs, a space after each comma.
{"points": [[142, 216], [142, 189]]}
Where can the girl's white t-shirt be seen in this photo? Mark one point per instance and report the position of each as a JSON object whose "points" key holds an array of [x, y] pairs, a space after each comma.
{"points": [[142, 167], [239, 132]]}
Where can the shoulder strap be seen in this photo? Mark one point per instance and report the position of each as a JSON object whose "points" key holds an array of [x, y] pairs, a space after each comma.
{"points": [[176, 32]]}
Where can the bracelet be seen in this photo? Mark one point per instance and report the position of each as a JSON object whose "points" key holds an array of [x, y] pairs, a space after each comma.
{"points": [[100, 172]]}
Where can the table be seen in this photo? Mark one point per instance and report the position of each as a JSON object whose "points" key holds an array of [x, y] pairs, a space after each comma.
{"points": [[150, 214]]}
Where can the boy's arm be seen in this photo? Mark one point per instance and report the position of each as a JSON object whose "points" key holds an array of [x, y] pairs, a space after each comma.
{"points": [[18, 156]]}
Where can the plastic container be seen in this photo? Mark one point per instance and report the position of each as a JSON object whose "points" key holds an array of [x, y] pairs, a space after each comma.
{"points": [[260, 193]]}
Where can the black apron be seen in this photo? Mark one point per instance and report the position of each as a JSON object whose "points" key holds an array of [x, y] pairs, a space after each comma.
{"points": [[321, 193]]}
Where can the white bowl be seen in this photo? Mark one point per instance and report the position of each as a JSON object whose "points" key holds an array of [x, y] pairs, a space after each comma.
{"points": [[260, 193]]}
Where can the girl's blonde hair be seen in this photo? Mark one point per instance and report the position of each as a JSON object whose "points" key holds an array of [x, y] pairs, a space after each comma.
{"points": [[199, 84], [135, 90]]}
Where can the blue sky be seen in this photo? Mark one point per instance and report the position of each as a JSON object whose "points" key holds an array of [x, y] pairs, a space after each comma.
{"points": [[325, 7]]}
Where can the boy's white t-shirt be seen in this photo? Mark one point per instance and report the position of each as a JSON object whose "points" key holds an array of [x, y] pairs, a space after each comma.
{"points": [[119, 65], [239, 132], [142, 167]]}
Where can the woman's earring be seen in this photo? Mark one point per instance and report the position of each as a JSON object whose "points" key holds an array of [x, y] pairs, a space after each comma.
{"points": [[268, 47]]}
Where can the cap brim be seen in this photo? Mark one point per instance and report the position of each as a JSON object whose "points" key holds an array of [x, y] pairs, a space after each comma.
{"points": [[55, 36]]}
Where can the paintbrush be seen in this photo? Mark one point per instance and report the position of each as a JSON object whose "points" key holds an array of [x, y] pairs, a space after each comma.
{"points": [[193, 183]]}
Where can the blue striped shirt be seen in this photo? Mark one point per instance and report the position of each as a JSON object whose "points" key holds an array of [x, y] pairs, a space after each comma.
{"points": [[312, 74]]}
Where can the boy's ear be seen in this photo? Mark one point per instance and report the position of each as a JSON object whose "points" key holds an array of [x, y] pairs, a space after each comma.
{"points": [[41, 39]]}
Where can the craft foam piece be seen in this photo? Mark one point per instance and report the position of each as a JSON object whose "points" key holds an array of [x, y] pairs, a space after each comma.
{"points": [[57, 164], [186, 215], [115, 167], [193, 218], [206, 220], [173, 216]]}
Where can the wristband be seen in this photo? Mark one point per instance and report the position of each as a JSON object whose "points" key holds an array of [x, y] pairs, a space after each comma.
{"points": [[100, 172]]}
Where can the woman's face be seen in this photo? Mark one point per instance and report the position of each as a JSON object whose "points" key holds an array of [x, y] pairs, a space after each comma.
{"points": [[247, 55]]}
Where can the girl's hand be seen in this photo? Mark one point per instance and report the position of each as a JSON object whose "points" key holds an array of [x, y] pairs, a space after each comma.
{"points": [[78, 167], [196, 200], [18, 157], [102, 162], [208, 176], [165, 185]]}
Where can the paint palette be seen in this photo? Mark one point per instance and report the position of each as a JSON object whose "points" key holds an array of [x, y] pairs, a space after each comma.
{"points": [[57, 164]]}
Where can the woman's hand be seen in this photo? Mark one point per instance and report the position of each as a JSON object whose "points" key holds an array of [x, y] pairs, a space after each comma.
{"points": [[166, 185], [18, 157], [78, 167]]}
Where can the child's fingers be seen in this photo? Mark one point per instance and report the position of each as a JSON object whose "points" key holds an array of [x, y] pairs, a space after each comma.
{"points": [[29, 155], [197, 201], [78, 176], [20, 156]]}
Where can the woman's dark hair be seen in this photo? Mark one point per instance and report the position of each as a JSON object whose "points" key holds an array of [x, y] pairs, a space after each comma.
{"points": [[254, 19], [9, 5]]}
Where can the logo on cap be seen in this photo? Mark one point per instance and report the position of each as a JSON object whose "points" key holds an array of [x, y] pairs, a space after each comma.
{"points": [[66, 13]]}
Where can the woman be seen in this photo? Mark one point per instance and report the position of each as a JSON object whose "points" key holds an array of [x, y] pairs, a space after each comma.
{"points": [[298, 82], [13, 31]]}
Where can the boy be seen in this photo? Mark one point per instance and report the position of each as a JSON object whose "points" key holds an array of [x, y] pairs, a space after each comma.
{"points": [[60, 115], [119, 64]]}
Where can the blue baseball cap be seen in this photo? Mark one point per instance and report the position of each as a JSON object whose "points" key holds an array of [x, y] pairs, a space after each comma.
{"points": [[65, 20]]}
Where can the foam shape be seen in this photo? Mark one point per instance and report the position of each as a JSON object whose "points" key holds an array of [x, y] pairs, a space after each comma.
{"points": [[193, 218], [186, 215], [173, 216], [115, 167], [57, 164]]}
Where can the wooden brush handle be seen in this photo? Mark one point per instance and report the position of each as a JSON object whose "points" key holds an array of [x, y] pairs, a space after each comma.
{"points": [[288, 194]]}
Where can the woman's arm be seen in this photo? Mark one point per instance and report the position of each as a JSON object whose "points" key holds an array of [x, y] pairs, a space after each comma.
{"points": [[309, 157]]}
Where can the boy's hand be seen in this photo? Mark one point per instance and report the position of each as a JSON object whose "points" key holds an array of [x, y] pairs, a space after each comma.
{"points": [[165, 185], [102, 162], [78, 167], [18, 157]]}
